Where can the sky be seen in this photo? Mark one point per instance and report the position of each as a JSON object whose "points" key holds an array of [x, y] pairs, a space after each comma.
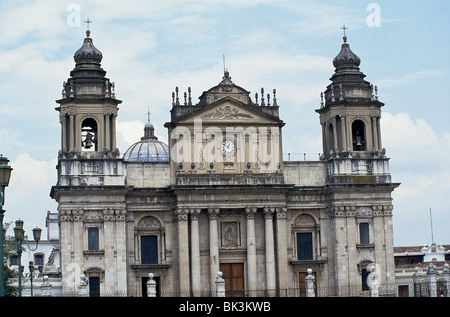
{"points": [[150, 47]]}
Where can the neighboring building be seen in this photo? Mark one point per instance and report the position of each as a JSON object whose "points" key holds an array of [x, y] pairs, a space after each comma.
{"points": [[412, 264], [46, 253], [45, 258], [219, 196]]}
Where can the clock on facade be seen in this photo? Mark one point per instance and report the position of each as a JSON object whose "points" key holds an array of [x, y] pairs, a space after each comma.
{"points": [[227, 147]]}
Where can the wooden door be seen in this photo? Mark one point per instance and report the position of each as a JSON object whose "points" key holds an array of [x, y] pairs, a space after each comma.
{"points": [[233, 274]]}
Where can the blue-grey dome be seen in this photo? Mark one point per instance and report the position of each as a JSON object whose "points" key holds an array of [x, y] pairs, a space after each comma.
{"points": [[149, 149]]}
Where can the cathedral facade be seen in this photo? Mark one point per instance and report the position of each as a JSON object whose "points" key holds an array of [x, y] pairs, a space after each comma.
{"points": [[219, 196]]}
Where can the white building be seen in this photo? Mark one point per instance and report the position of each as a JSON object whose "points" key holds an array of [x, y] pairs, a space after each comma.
{"points": [[46, 260]]}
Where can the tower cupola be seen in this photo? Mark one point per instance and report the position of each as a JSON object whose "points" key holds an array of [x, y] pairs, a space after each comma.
{"points": [[88, 53], [88, 107]]}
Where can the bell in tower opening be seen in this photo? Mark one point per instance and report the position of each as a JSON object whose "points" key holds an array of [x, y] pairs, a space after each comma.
{"points": [[89, 135], [359, 142]]}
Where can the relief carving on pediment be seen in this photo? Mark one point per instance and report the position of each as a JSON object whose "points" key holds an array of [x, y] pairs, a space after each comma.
{"points": [[226, 112]]}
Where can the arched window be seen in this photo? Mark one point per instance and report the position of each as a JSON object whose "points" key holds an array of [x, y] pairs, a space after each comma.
{"points": [[359, 136], [150, 236], [330, 137], [89, 135]]}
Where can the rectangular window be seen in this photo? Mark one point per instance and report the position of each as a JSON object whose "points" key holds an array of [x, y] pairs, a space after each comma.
{"points": [[14, 260], [94, 286], [364, 233], [149, 250], [304, 246], [38, 259], [93, 239]]}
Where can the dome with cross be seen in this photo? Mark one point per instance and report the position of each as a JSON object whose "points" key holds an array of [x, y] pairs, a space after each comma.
{"points": [[148, 149]]}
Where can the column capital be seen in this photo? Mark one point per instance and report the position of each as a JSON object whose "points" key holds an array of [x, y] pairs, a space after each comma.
{"points": [[195, 213], [268, 211], [181, 214], [250, 212], [213, 213], [281, 212]]}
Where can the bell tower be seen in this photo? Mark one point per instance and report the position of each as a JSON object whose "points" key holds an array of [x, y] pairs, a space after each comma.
{"points": [[91, 190], [350, 115], [88, 108], [358, 178], [350, 110], [87, 112]]}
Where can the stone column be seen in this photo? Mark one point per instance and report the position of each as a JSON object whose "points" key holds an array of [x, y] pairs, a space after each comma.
{"points": [[71, 144], [417, 283], [375, 133], [335, 136], [343, 133], [374, 282], [195, 252], [282, 260], [251, 251], [220, 285], [432, 280], [113, 134], [151, 286], [324, 139], [183, 252], [46, 287], [446, 279], [107, 133], [309, 280], [63, 121], [270, 254], [214, 263], [380, 146], [82, 287]]}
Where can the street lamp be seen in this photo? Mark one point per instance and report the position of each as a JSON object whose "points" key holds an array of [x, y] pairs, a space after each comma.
{"points": [[5, 174], [19, 234], [32, 269]]}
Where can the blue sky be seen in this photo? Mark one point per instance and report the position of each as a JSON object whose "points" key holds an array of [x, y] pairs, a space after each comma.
{"points": [[149, 47]]}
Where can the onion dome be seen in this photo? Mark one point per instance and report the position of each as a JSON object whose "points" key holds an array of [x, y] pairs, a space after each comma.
{"points": [[346, 58], [348, 84], [88, 53], [149, 149]]}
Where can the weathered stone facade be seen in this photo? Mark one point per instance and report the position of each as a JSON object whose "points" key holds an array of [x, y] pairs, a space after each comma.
{"points": [[225, 201]]}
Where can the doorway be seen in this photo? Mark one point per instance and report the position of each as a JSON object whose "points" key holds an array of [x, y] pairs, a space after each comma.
{"points": [[144, 285], [233, 274]]}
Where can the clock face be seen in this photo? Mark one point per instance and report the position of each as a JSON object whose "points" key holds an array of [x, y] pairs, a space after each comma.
{"points": [[227, 147]]}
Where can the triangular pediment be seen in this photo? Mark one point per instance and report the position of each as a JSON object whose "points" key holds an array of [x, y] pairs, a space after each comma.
{"points": [[228, 110]]}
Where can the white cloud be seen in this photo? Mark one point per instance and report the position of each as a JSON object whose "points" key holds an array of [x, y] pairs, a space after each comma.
{"points": [[409, 79], [414, 144], [27, 196], [417, 154]]}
